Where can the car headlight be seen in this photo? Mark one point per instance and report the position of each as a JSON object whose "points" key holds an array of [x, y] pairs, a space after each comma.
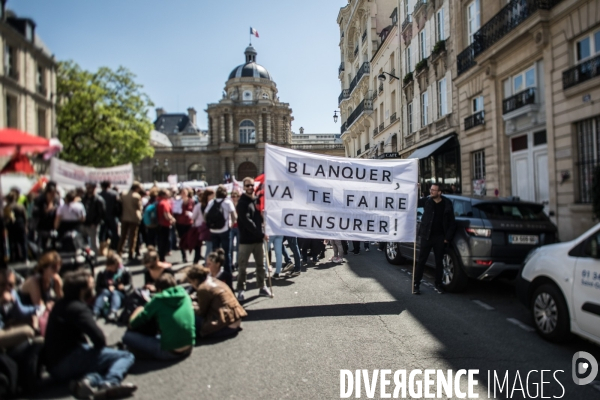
{"points": [[479, 232]]}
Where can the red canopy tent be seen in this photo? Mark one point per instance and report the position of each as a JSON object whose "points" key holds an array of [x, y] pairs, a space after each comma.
{"points": [[11, 139]]}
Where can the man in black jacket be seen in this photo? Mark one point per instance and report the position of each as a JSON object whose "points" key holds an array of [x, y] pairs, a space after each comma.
{"points": [[110, 228], [436, 231], [94, 215], [67, 355], [252, 235]]}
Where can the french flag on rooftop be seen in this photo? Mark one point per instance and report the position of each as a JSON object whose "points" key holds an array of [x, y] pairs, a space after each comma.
{"points": [[253, 32]]}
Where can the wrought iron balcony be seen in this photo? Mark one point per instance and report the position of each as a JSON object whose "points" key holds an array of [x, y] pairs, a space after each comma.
{"points": [[380, 87], [381, 126], [407, 22], [375, 131], [501, 24], [367, 146], [344, 95], [364, 36], [365, 105], [582, 72], [393, 118], [341, 68], [394, 16], [420, 5], [474, 120], [356, 51], [358, 152], [343, 128], [365, 69], [519, 100]]}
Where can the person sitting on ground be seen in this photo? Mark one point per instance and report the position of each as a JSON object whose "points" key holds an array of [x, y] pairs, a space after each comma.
{"points": [[17, 334], [172, 311], [45, 285], [154, 269], [70, 215], [98, 369], [218, 312], [214, 262], [111, 286]]}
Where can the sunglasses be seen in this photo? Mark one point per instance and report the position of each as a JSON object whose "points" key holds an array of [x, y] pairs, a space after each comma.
{"points": [[251, 185]]}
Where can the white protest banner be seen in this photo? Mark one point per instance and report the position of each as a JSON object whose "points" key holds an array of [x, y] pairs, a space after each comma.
{"points": [[70, 175], [317, 196]]}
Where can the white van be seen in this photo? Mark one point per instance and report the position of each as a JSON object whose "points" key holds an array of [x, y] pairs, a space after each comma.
{"points": [[560, 284]]}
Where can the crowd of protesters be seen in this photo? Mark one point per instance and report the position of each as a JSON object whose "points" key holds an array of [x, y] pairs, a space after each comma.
{"points": [[46, 317]]}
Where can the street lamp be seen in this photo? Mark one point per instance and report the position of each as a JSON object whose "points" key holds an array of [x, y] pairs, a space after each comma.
{"points": [[381, 76], [335, 116]]}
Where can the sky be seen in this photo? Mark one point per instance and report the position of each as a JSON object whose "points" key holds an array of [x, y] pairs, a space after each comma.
{"points": [[183, 51]]}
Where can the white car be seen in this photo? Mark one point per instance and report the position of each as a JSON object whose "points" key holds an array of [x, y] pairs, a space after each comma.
{"points": [[560, 284]]}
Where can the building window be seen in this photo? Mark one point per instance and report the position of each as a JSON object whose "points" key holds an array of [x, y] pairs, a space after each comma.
{"points": [[409, 119], [524, 80], [473, 22], [407, 58], [247, 132], [423, 44], [393, 98], [395, 144], [424, 109], [442, 102], [406, 9], [10, 62], [588, 155], [40, 81], [478, 158], [439, 26], [477, 104], [196, 172], [587, 47], [11, 111], [41, 122]]}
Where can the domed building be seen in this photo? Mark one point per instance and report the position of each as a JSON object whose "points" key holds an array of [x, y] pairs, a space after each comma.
{"points": [[248, 115]]}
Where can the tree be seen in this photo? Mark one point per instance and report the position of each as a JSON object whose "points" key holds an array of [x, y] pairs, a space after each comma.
{"points": [[102, 116]]}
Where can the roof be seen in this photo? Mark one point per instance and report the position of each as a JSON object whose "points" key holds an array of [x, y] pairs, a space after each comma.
{"points": [[250, 70], [174, 124]]}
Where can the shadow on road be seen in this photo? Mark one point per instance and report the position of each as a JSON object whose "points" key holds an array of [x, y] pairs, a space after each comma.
{"points": [[333, 310]]}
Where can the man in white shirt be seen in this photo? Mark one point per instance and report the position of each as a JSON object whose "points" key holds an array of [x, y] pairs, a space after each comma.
{"points": [[219, 215]]}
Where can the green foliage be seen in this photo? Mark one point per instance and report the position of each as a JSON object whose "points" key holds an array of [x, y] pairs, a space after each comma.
{"points": [[420, 65], [407, 78], [102, 116], [596, 192], [439, 47]]}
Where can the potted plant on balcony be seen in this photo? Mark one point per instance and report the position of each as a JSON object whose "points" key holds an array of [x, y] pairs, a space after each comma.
{"points": [[439, 47], [421, 65], [407, 78]]}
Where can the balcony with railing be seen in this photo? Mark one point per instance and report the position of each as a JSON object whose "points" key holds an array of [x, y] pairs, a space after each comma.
{"points": [[419, 7], [475, 120], [367, 146], [344, 95], [358, 152], [381, 126], [365, 106], [356, 51], [341, 68], [407, 22], [500, 25], [364, 70], [394, 16], [582, 72], [393, 118], [375, 131], [518, 101], [364, 36], [343, 128]]}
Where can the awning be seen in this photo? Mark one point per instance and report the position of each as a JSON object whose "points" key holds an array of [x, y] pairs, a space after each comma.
{"points": [[428, 150]]}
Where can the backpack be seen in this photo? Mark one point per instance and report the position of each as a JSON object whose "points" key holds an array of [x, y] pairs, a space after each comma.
{"points": [[150, 216], [215, 219]]}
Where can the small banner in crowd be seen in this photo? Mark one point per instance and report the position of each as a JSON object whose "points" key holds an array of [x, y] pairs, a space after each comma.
{"points": [[323, 197], [70, 175]]}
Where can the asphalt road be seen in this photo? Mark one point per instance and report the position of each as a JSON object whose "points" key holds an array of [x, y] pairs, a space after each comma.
{"points": [[361, 315]]}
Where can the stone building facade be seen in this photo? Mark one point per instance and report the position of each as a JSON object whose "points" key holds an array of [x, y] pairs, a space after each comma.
{"points": [[529, 89], [27, 77]]}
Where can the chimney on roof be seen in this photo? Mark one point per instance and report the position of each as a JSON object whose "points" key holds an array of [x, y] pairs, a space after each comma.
{"points": [[301, 130], [192, 115], [159, 111]]}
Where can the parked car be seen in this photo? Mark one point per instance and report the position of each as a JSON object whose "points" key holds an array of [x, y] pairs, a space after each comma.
{"points": [[493, 237], [560, 284]]}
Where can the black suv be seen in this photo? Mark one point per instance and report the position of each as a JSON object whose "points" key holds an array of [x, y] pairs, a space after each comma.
{"points": [[493, 237]]}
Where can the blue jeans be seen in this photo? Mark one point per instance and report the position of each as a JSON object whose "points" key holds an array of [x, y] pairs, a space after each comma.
{"points": [[277, 241], [98, 366], [150, 345], [293, 243], [234, 244], [222, 240], [115, 298]]}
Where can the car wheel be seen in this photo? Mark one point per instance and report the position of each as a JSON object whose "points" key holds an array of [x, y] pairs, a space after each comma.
{"points": [[392, 253], [454, 278], [550, 313]]}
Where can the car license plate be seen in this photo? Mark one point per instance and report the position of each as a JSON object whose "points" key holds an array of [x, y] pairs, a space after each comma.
{"points": [[523, 239]]}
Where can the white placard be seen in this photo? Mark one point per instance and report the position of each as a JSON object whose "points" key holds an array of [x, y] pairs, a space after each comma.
{"points": [[317, 196], [69, 175]]}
